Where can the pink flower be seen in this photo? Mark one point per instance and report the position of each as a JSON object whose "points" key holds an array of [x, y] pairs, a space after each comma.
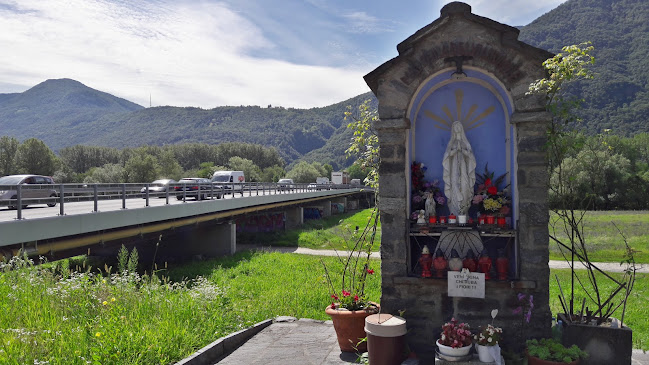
{"points": [[477, 199]]}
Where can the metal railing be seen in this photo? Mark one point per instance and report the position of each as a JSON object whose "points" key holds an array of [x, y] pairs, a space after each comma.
{"points": [[20, 196]]}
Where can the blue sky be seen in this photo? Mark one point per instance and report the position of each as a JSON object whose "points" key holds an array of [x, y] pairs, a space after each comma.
{"points": [[291, 53]]}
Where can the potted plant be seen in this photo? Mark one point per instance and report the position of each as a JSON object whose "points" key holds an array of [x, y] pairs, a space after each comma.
{"points": [[547, 351], [487, 341], [350, 306], [455, 339], [586, 319]]}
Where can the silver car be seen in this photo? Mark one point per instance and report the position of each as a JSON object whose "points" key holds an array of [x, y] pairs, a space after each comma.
{"points": [[32, 187], [157, 187]]}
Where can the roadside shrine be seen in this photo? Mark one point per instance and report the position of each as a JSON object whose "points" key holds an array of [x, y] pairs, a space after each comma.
{"points": [[453, 105]]}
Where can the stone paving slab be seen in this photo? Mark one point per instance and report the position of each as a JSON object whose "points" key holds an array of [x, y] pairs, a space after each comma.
{"points": [[292, 342]]}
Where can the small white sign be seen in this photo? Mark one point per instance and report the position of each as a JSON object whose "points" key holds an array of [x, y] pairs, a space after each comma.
{"points": [[465, 284]]}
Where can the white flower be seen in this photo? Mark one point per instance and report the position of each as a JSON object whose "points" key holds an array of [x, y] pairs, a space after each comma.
{"points": [[489, 339]]}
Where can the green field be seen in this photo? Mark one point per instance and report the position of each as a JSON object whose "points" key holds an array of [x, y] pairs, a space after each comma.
{"points": [[333, 232], [604, 241]]}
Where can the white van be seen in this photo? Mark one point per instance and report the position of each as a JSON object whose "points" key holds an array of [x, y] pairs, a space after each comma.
{"points": [[231, 181]]}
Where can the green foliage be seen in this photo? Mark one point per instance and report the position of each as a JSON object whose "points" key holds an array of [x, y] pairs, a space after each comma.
{"points": [[109, 173], [617, 98], [365, 142], [141, 168], [551, 350], [8, 149], [34, 157], [272, 173], [250, 170], [303, 172]]}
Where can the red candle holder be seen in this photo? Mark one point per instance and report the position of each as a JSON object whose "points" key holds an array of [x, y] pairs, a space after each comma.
{"points": [[442, 219], [432, 220]]}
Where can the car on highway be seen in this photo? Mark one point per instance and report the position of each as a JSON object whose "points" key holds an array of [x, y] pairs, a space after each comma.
{"points": [[190, 187], [158, 187], [32, 187], [285, 185]]}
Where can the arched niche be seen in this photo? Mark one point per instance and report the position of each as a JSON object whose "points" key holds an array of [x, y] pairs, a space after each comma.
{"points": [[482, 104]]}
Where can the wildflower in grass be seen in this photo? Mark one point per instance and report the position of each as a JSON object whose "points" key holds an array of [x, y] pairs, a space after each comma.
{"points": [[105, 302], [98, 334], [370, 271], [112, 299]]}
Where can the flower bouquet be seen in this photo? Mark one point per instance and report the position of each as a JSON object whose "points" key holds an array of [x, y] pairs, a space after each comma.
{"points": [[426, 195], [455, 339], [489, 199], [487, 342]]}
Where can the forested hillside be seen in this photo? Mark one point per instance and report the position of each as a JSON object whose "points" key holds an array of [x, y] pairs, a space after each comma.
{"points": [[64, 112], [617, 98]]}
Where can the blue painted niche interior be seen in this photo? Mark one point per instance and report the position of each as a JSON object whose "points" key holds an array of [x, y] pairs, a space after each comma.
{"points": [[482, 105]]}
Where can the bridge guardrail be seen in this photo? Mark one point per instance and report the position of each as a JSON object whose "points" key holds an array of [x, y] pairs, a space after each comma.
{"points": [[67, 193]]}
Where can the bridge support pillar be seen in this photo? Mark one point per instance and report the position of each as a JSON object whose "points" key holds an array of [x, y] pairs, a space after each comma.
{"points": [[326, 209], [209, 241], [338, 205], [294, 217]]}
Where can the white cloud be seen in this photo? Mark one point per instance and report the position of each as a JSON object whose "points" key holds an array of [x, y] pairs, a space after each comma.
{"points": [[180, 54], [361, 22]]}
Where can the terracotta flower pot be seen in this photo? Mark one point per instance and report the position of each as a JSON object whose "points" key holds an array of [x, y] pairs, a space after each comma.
{"points": [[350, 327]]}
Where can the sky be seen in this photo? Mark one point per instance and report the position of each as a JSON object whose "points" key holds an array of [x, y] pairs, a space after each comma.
{"points": [[209, 53]]}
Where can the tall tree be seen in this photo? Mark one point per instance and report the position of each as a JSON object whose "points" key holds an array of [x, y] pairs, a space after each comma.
{"points": [[8, 149], [34, 157], [141, 168]]}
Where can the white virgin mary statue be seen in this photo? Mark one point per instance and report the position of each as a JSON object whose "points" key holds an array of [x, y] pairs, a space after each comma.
{"points": [[459, 171]]}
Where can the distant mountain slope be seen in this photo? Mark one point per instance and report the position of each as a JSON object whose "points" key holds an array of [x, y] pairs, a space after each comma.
{"points": [[65, 112], [618, 97], [54, 110]]}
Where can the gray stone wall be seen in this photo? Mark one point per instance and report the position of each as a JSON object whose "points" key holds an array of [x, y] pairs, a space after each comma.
{"points": [[495, 50]]}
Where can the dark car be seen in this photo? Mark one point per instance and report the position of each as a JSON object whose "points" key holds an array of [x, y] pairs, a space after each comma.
{"points": [[158, 187], [190, 186], [32, 187]]}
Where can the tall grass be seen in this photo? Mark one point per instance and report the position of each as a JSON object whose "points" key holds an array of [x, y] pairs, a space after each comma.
{"points": [[54, 315], [603, 240]]}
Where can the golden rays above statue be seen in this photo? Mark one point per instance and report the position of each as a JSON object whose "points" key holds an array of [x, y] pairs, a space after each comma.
{"points": [[469, 121]]}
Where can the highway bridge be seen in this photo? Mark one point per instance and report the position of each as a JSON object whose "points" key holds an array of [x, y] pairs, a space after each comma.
{"points": [[101, 217]]}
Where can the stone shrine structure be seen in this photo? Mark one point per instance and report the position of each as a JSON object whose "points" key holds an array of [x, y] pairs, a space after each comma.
{"points": [[467, 68]]}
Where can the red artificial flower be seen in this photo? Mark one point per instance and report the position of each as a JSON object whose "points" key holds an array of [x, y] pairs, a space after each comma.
{"points": [[487, 182], [346, 293], [492, 190], [370, 271]]}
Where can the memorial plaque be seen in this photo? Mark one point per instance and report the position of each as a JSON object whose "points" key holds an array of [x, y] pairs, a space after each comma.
{"points": [[465, 284]]}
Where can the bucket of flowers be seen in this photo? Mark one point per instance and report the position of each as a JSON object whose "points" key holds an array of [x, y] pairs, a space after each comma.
{"points": [[487, 342], [455, 340]]}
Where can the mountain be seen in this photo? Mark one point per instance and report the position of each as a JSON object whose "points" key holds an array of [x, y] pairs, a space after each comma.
{"points": [[56, 111], [618, 97], [65, 112]]}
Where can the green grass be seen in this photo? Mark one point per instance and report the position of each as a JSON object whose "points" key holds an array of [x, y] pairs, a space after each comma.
{"points": [[637, 311], [334, 232], [55, 316], [604, 242]]}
